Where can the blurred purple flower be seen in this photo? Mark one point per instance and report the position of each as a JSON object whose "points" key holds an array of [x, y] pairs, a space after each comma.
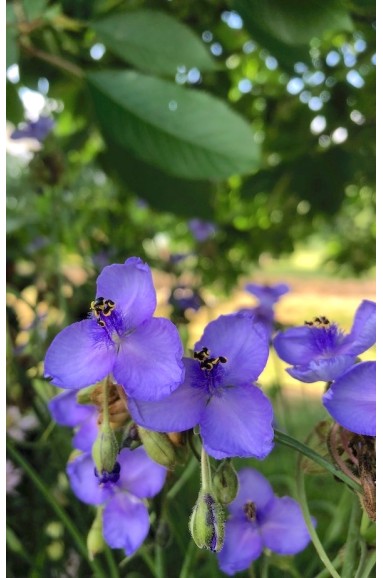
{"points": [[183, 298], [13, 479], [65, 411], [267, 295], [38, 129], [258, 520], [120, 337], [235, 417], [320, 351], [19, 425], [202, 230], [351, 399], [125, 516]]}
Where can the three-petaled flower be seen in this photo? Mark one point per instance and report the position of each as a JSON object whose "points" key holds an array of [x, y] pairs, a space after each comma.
{"points": [[125, 517], [320, 351], [258, 520], [234, 416], [120, 337]]}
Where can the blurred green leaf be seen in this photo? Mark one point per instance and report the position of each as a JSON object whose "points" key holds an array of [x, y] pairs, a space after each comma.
{"points": [[163, 192], [12, 47], [186, 133], [34, 8], [293, 24], [153, 41]]}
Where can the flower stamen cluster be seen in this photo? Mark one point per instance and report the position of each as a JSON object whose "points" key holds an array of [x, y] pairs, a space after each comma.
{"points": [[206, 362]]}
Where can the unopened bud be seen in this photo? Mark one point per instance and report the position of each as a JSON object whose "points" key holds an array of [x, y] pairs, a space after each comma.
{"points": [[158, 447], [207, 522], [225, 483], [95, 540], [105, 449]]}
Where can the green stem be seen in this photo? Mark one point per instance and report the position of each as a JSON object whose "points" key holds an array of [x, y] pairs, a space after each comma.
{"points": [[206, 483], [362, 559], [114, 573], [305, 450], [310, 526], [336, 564], [370, 563], [187, 473], [353, 537], [188, 560], [159, 562], [265, 567], [71, 528]]}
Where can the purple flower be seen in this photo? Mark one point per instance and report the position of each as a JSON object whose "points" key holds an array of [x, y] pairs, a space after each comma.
{"points": [[65, 410], [267, 295], [320, 351], [38, 129], [183, 298], [120, 337], [258, 520], [125, 515], [235, 417], [202, 230], [351, 399]]}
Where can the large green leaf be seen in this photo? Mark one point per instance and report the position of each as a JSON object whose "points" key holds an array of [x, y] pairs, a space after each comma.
{"points": [[295, 23], [185, 132], [153, 41], [162, 191]]}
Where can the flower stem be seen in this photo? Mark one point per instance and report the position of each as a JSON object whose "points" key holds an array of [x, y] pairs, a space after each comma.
{"points": [[370, 563], [310, 526], [353, 538], [113, 569], [65, 519], [159, 562], [305, 450], [206, 482]]}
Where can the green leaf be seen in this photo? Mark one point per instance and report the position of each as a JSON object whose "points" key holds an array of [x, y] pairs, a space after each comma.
{"points": [[153, 41], [185, 132], [295, 24], [33, 9], [163, 192]]}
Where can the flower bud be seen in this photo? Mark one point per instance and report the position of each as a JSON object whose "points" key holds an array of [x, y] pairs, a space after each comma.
{"points": [[95, 540], [105, 449], [158, 447], [225, 482], [207, 522]]}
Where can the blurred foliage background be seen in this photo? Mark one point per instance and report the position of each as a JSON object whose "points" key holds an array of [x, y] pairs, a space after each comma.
{"points": [[216, 140]]}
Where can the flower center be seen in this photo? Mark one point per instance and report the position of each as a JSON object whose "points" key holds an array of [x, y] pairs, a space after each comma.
{"points": [[250, 511], [102, 307], [206, 362], [108, 477], [320, 321]]}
